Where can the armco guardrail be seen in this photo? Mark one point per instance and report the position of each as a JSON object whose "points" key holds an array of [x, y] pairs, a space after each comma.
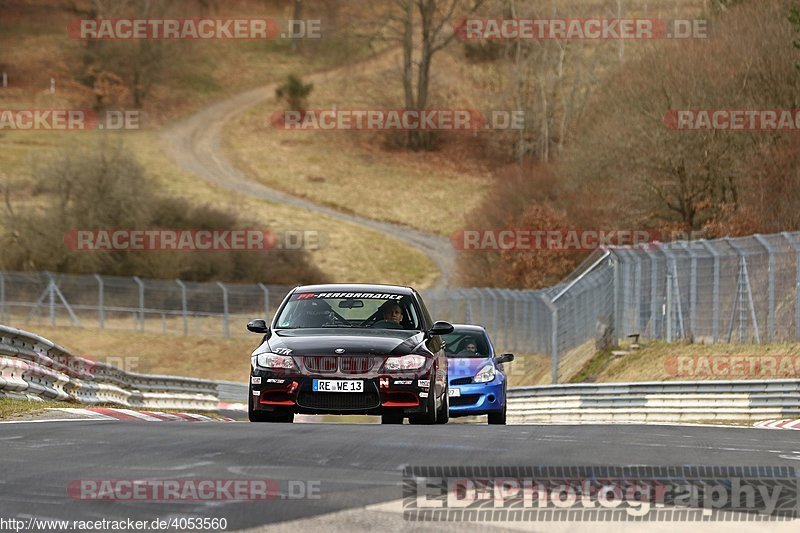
{"points": [[32, 367], [233, 391], [666, 401]]}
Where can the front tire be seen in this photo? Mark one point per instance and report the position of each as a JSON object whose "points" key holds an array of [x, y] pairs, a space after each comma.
{"points": [[443, 416], [499, 418], [428, 417]]}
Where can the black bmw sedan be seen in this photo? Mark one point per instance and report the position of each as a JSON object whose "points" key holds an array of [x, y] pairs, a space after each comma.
{"points": [[350, 349]]}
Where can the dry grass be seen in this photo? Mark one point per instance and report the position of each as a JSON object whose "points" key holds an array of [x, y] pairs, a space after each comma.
{"points": [[348, 253], [17, 408], [355, 171], [652, 362], [192, 356]]}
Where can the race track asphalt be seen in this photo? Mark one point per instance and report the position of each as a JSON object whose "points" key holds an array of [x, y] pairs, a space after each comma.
{"points": [[355, 465]]}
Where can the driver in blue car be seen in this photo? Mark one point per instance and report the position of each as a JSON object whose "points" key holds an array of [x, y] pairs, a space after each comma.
{"points": [[469, 348]]}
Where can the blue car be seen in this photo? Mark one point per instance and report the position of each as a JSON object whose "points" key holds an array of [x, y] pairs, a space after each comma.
{"points": [[477, 381]]}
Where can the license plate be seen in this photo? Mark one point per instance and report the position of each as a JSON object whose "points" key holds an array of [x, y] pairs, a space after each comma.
{"points": [[338, 385], [454, 392]]}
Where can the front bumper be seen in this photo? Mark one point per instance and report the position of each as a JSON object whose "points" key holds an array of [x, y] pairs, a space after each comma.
{"points": [[478, 399], [294, 393]]}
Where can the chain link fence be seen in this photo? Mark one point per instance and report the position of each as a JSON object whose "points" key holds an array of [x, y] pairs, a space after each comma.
{"points": [[743, 290], [145, 305]]}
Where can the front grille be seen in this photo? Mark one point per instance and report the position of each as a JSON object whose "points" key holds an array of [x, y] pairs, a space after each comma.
{"points": [[338, 401], [466, 399], [461, 381], [328, 364], [355, 365], [323, 365]]}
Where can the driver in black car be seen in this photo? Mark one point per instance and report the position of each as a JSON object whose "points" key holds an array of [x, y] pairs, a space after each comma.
{"points": [[392, 316]]}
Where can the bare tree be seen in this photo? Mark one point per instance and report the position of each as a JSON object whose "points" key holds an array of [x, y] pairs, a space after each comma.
{"points": [[424, 29]]}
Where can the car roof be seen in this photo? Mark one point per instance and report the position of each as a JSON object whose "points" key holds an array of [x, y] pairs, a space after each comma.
{"points": [[355, 287]]}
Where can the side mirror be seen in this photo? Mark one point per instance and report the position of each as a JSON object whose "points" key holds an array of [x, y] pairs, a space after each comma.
{"points": [[258, 325], [505, 358], [441, 328]]}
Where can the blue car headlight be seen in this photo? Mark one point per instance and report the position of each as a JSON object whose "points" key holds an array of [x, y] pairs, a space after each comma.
{"points": [[485, 374]]}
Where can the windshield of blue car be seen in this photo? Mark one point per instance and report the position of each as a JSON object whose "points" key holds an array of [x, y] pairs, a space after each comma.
{"points": [[349, 310], [466, 344]]}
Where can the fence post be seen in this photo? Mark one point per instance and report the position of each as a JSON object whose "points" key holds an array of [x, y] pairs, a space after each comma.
{"points": [[637, 292], [141, 302], [553, 337], [715, 294], [771, 329], [788, 237], [493, 294], [226, 318], [266, 300], [692, 289], [653, 302], [744, 290], [669, 304], [101, 310], [52, 295], [615, 287], [2, 295], [184, 307]]}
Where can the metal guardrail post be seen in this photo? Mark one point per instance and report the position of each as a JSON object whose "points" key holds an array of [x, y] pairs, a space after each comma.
{"points": [[265, 290], [796, 247], [184, 307], [141, 302], [101, 310], [226, 327], [771, 329]]}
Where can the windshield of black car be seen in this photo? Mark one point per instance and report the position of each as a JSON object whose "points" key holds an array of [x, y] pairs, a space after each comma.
{"points": [[349, 310], [466, 344]]}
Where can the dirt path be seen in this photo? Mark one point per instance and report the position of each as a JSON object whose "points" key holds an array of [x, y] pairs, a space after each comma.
{"points": [[195, 145]]}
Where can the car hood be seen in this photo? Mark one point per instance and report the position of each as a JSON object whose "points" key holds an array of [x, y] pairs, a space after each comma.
{"points": [[461, 367], [322, 341]]}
